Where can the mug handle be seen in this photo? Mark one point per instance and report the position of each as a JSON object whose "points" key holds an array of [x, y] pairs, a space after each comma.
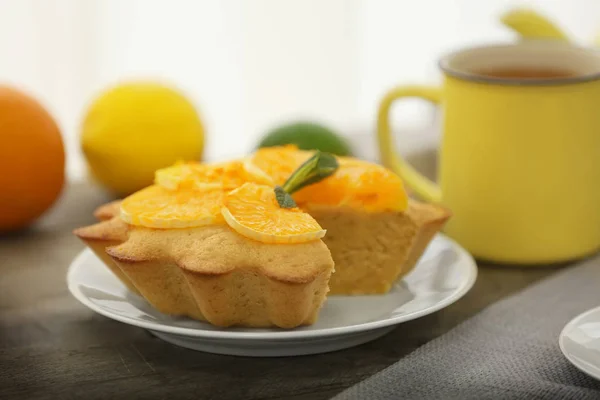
{"points": [[425, 188]]}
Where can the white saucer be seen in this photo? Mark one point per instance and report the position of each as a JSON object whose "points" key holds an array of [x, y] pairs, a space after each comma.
{"points": [[445, 273], [580, 342]]}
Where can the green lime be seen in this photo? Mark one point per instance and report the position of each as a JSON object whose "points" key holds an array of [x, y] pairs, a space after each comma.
{"points": [[307, 136]]}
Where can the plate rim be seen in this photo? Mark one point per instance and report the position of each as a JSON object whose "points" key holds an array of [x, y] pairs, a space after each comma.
{"points": [[561, 342], [465, 257]]}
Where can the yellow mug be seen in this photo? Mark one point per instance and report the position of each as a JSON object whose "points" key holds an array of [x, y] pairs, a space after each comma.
{"points": [[520, 157]]}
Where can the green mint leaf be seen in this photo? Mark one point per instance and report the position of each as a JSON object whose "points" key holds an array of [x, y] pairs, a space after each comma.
{"points": [[313, 170], [327, 164], [283, 198]]}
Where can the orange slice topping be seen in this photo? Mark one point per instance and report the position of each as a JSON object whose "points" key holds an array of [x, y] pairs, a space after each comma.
{"points": [[157, 207], [279, 162], [252, 211], [227, 175], [356, 183]]}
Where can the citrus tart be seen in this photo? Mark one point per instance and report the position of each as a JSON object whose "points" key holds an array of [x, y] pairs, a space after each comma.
{"points": [[375, 233], [214, 244], [253, 242]]}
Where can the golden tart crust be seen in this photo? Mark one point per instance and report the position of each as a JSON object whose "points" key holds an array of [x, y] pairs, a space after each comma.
{"points": [[98, 237], [372, 251], [211, 273]]}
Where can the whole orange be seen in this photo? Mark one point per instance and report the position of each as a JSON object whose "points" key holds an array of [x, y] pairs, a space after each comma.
{"points": [[32, 159]]}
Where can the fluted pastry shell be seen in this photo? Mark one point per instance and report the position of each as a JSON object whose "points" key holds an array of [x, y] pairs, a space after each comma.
{"points": [[108, 211], [100, 236], [371, 251], [212, 273]]}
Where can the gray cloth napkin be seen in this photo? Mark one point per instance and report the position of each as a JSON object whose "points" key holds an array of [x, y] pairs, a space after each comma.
{"points": [[508, 351]]}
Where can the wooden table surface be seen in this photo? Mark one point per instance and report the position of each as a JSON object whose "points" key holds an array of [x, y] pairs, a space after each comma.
{"points": [[52, 347]]}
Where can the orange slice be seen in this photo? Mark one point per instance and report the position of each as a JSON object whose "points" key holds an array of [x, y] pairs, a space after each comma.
{"points": [[357, 184], [227, 175], [279, 162], [252, 211], [360, 185], [157, 207]]}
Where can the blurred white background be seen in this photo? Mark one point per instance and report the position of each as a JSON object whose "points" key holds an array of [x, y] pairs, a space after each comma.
{"points": [[248, 65]]}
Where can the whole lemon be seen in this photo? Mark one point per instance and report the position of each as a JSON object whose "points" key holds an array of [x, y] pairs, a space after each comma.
{"points": [[135, 128], [32, 160]]}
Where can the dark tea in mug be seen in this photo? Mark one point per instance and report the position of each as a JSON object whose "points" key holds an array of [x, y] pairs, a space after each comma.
{"points": [[526, 73]]}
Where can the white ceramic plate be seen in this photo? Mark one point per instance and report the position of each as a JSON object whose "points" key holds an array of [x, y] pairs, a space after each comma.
{"points": [[580, 342], [443, 275]]}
